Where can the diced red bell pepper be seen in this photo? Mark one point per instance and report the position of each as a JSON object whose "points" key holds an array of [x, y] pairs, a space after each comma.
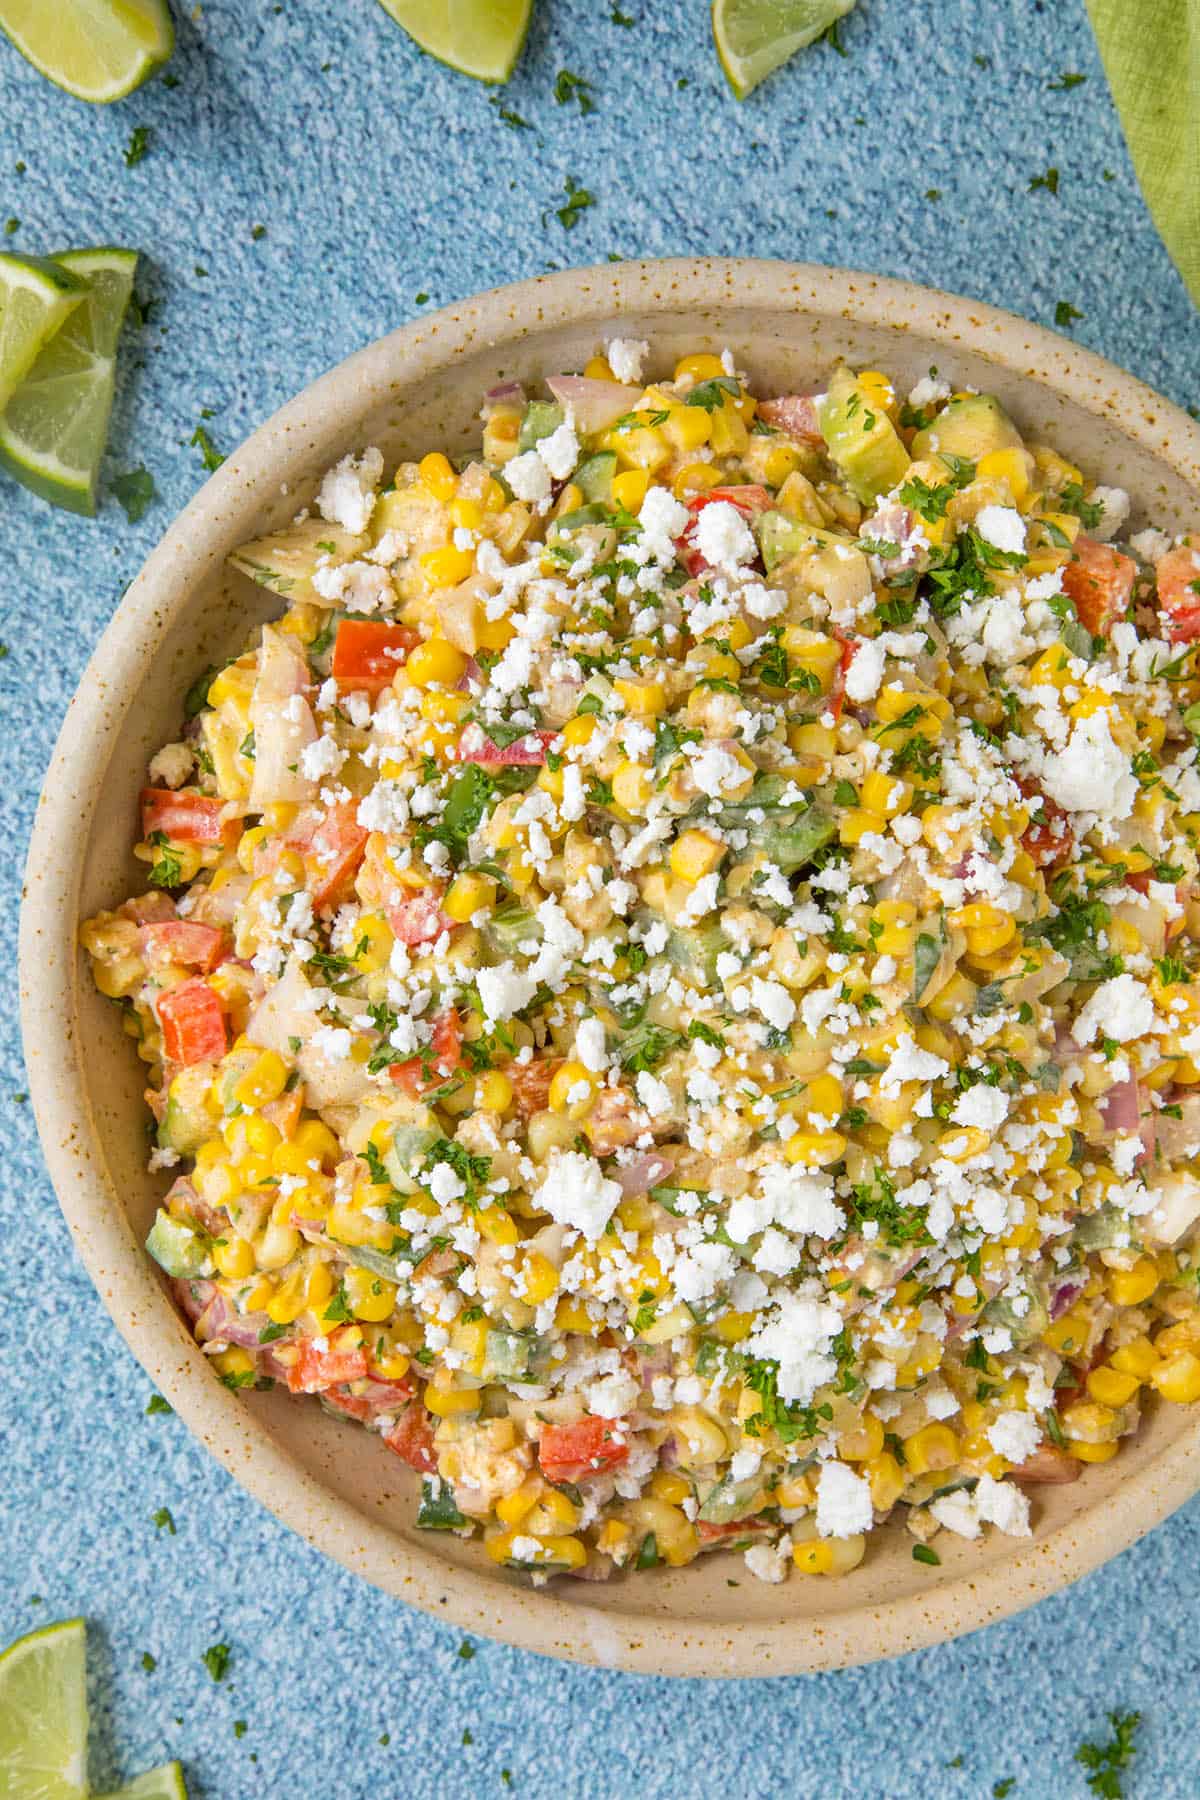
{"points": [[1048, 839], [315, 1371], [367, 653], [1099, 580], [419, 1074], [332, 854], [1178, 574], [193, 1023], [185, 817], [749, 499], [524, 752], [837, 692], [182, 941], [412, 1439], [709, 1534], [1048, 1465], [419, 919], [374, 1398], [570, 1452]]}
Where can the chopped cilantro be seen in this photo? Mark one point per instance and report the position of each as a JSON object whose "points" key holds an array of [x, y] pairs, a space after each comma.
{"points": [[1104, 1760], [135, 491], [163, 1520], [139, 143], [216, 1660], [576, 204]]}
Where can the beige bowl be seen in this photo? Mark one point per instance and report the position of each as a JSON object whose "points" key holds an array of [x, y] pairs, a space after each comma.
{"points": [[415, 390]]}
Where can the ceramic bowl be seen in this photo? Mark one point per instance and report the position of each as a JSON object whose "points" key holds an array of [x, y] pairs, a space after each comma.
{"points": [[418, 389]]}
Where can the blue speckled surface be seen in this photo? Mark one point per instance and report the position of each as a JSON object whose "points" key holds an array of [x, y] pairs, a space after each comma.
{"points": [[381, 176]]}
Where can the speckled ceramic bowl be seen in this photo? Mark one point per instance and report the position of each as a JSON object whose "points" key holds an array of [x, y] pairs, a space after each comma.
{"points": [[418, 389]]}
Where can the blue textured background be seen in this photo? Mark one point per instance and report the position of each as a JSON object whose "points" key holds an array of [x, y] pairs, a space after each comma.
{"points": [[381, 178]]}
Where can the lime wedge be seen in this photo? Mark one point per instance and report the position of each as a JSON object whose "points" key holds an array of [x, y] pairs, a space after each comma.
{"points": [[482, 38], [96, 49], [36, 295], [43, 1715], [163, 1783], [754, 37], [53, 430]]}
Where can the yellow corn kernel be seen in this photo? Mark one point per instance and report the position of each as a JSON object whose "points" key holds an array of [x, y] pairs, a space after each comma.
{"points": [[957, 997], [541, 1278], [494, 1092], [962, 1142], [573, 1315], [688, 427], [986, 927], [512, 1508], [813, 651], [864, 1442], [669, 1485], [823, 1098], [598, 368], [1129, 1287], [732, 1327], [694, 854], [780, 462], [449, 1402], [438, 476], [877, 388], [496, 1225], [467, 894], [933, 1447], [884, 794], [1051, 669], [579, 730], [233, 683], [629, 488], [1012, 466], [815, 740], [263, 1081], [573, 1090], [435, 661], [695, 478], [371, 1297], [632, 786], [795, 1490], [1178, 1378], [1092, 1453], [1112, 1387], [815, 1149], [1138, 1357], [468, 1340], [234, 1258], [466, 513], [858, 823], [813, 1556], [886, 1479], [729, 436], [701, 365], [233, 1364], [643, 696]]}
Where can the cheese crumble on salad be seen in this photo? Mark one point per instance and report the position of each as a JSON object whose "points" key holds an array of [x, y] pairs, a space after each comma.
{"points": [[668, 974]]}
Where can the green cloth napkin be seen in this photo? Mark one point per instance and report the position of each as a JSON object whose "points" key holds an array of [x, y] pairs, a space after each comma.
{"points": [[1151, 55]]}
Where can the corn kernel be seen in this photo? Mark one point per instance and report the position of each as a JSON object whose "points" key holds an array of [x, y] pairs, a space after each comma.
{"points": [[694, 854], [1129, 1287], [643, 697], [496, 1225], [1092, 1453], [449, 1403], [629, 488], [435, 661], [695, 478], [1178, 1378], [815, 1149], [573, 1090], [234, 1257], [701, 365], [933, 1447], [1112, 1387], [512, 1508], [438, 475], [541, 1278], [632, 786]]}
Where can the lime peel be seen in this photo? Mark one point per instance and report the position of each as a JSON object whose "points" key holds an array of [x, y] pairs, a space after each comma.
{"points": [[97, 50], [481, 38], [756, 37]]}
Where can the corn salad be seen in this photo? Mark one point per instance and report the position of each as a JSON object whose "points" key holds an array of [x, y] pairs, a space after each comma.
{"points": [[667, 973]]}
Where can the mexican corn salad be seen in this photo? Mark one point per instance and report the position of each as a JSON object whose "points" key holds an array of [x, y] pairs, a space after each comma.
{"points": [[667, 973]]}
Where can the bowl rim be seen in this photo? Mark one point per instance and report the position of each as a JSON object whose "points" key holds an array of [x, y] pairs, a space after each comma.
{"points": [[540, 1620]]}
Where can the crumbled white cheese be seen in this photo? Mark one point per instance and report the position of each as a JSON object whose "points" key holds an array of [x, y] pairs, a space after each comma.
{"points": [[625, 358], [575, 1191], [843, 1501]]}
